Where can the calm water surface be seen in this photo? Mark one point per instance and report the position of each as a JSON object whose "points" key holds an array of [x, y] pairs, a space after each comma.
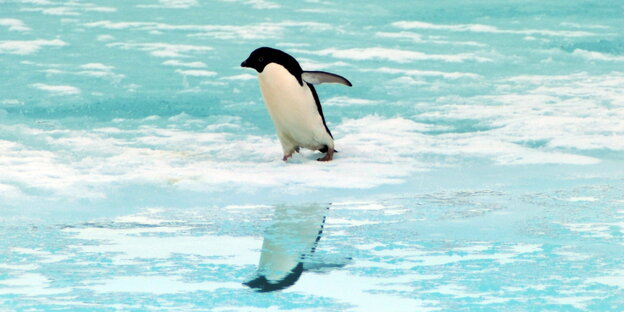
{"points": [[480, 164]]}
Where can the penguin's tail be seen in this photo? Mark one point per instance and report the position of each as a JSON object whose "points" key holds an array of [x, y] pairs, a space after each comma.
{"points": [[325, 148]]}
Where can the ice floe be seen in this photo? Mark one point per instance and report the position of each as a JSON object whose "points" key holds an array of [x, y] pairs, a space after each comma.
{"points": [[57, 89], [23, 47], [481, 28], [393, 55]]}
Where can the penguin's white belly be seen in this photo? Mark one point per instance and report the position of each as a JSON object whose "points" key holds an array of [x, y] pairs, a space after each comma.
{"points": [[293, 110]]}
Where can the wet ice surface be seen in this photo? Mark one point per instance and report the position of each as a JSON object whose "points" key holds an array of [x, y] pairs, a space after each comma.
{"points": [[459, 250], [480, 163]]}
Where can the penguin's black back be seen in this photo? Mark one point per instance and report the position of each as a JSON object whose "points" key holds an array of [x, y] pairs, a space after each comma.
{"points": [[319, 108]]}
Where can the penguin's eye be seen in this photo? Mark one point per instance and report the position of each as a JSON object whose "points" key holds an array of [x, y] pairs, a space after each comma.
{"points": [[261, 59]]}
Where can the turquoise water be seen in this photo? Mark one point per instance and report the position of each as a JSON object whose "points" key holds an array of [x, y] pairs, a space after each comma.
{"points": [[480, 164]]}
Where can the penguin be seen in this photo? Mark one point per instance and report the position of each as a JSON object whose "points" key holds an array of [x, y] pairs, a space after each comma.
{"points": [[288, 246], [292, 101]]}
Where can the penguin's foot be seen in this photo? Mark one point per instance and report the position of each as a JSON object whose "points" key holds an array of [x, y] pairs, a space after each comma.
{"points": [[290, 153], [328, 156]]}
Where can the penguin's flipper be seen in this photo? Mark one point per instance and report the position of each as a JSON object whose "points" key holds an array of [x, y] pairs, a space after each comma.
{"points": [[318, 77]]}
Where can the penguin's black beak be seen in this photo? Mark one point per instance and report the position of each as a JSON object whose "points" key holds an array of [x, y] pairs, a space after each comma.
{"points": [[244, 64]]}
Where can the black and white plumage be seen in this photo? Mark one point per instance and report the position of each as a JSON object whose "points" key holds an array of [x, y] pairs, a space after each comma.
{"points": [[288, 246], [292, 101]]}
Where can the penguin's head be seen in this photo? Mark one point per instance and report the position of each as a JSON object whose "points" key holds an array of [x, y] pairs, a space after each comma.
{"points": [[261, 57]]}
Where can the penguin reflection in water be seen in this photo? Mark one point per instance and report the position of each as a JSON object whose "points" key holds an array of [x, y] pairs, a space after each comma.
{"points": [[292, 101], [289, 246]]}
